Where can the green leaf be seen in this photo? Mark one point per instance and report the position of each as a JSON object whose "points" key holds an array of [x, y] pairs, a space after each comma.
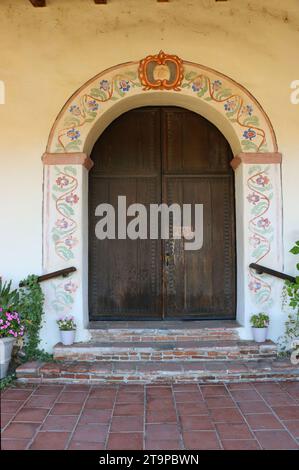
{"points": [[191, 75]]}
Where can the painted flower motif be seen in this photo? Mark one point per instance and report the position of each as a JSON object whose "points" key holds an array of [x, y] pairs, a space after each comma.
{"points": [[74, 109], [62, 223], [216, 85], [263, 222], [70, 241], [73, 134], [196, 85], [262, 180], [249, 134], [254, 286], [72, 199], [104, 85], [62, 181], [124, 85], [255, 241], [92, 105], [230, 105], [253, 198], [248, 110], [70, 287]]}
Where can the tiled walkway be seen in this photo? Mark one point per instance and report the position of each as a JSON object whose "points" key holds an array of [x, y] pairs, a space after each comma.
{"points": [[234, 416]]}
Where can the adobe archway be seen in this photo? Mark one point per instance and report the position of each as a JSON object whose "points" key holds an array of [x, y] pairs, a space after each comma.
{"points": [[159, 80]]}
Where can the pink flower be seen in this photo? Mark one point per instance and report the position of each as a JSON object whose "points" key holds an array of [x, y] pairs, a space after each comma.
{"points": [[255, 286], [253, 198], [70, 287], [61, 223], [263, 223], [262, 180], [62, 181], [72, 199]]}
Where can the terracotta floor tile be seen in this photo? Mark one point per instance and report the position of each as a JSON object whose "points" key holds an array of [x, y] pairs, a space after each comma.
{"points": [[41, 401], [161, 431], [219, 402], [168, 416], [162, 444], [278, 399], [201, 440], [20, 430], [14, 394], [77, 388], [103, 394], [31, 415], [14, 444], [185, 388], [99, 404], [59, 423], [48, 390], [188, 397], [130, 397], [10, 406], [276, 440], [240, 386], [91, 433], [240, 444], [5, 418], [226, 415], [50, 441], [268, 387], [125, 441], [127, 423], [254, 407], [263, 421], [123, 409], [287, 412], [75, 445], [72, 397], [233, 431], [245, 395], [66, 409], [197, 423], [213, 390], [293, 427], [192, 408], [95, 416]]}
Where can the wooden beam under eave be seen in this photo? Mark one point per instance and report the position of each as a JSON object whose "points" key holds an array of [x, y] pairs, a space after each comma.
{"points": [[161, 1], [38, 3], [100, 2]]}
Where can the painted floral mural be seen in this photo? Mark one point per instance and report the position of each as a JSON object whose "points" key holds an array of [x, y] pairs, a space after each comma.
{"points": [[64, 193], [260, 194], [230, 99]]}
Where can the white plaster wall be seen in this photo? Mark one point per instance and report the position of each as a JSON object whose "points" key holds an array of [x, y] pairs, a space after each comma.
{"points": [[47, 53]]}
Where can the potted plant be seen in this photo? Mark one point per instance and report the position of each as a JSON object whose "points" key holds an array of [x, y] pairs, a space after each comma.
{"points": [[67, 328], [11, 326], [260, 323]]}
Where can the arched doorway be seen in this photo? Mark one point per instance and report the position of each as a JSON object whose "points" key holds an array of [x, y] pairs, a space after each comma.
{"points": [[85, 116], [155, 155]]}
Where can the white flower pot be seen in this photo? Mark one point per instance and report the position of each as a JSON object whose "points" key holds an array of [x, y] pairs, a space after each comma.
{"points": [[259, 334], [67, 337], [6, 345]]}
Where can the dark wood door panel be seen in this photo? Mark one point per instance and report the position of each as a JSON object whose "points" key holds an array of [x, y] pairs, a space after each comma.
{"points": [[124, 275], [191, 144], [201, 283]]}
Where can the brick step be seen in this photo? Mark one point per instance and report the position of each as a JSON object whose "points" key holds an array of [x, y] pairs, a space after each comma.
{"points": [[157, 372], [163, 351], [164, 331]]}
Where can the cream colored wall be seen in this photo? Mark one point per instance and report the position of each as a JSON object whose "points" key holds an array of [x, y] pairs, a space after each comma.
{"points": [[47, 53]]}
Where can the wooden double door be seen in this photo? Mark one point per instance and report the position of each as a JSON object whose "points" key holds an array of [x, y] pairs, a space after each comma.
{"points": [[153, 155]]}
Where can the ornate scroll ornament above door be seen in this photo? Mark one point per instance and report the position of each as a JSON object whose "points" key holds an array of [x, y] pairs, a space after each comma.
{"points": [[217, 97]]}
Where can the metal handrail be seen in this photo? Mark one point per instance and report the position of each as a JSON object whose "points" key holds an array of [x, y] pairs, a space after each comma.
{"points": [[61, 272], [264, 270]]}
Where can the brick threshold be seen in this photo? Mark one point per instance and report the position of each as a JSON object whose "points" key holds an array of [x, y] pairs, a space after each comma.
{"points": [[167, 372]]}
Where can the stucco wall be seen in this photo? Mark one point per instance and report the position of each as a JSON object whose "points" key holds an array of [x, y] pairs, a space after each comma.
{"points": [[47, 53]]}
